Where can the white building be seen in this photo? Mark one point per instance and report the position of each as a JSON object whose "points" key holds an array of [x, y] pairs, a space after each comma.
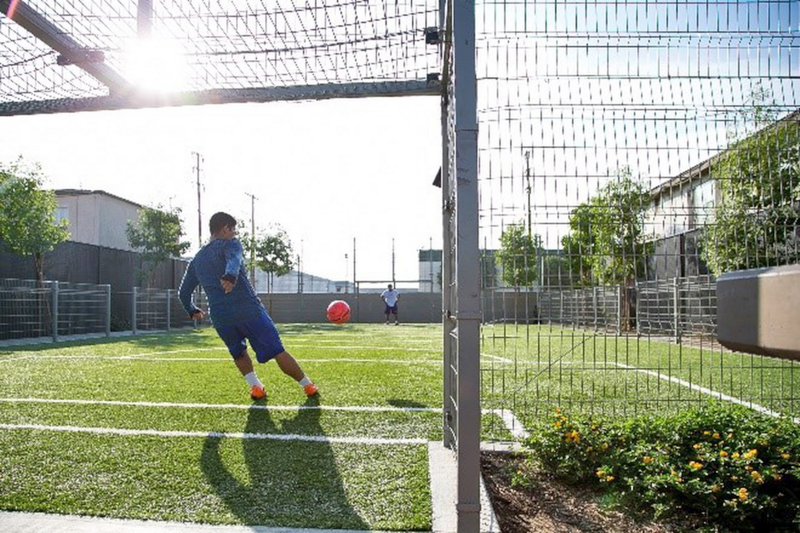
{"points": [[96, 217]]}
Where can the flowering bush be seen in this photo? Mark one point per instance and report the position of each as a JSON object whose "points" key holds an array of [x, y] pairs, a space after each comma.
{"points": [[732, 466]]}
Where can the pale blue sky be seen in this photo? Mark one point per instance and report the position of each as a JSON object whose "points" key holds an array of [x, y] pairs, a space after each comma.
{"points": [[325, 171]]}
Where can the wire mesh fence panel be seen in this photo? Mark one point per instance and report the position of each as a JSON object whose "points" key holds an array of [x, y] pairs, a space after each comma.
{"points": [[36, 309], [82, 308], [629, 154], [25, 309]]}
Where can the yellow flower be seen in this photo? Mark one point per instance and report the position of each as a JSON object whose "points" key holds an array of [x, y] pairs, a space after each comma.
{"points": [[716, 436], [735, 455], [756, 477], [777, 477], [558, 411], [748, 468], [785, 455], [601, 473], [714, 488], [743, 494], [734, 478], [706, 433], [730, 435], [695, 465], [752, 453], [609, 479], [696, 446], [723, 453], [558, 423], [647, 459]]}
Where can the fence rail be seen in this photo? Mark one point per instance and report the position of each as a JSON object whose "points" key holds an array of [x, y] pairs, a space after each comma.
{"points": [[53, 309], [31, 309]]}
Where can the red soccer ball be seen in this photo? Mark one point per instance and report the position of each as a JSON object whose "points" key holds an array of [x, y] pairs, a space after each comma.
{"points": [[338, 312]]}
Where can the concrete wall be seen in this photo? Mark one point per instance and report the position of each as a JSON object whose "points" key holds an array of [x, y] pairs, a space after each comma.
{"points": [[364, 308]]}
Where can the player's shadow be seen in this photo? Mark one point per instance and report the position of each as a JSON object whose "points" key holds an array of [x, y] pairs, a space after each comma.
{"points": [[287, 483]]}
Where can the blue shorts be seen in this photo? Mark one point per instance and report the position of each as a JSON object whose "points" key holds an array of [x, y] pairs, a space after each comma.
{"points": [[390, 309], [261, 333]]}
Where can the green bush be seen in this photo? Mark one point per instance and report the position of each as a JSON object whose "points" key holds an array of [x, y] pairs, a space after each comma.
{"points": [[735, 468]]}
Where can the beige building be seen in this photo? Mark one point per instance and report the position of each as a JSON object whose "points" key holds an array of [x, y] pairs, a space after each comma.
{"points": [[96, 217]]}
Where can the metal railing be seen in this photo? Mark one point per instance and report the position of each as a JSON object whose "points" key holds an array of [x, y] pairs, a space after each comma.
{"points": [[33, 309]]}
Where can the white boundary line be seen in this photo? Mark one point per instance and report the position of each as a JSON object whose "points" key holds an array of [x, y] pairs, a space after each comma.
{"points": [[214, 434], [255, 407], [513, 424], [498, 358], [704, 390]]}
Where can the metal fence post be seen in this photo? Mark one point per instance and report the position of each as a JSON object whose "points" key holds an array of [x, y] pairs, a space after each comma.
{"points": [[133, 311], [169, 309], [619, 309], [594, 306], [108, 310], [676, 309], [55, 311], [636, 292]]}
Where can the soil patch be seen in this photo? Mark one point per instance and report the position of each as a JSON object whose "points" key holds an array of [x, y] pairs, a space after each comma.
{"points": [[550, 505]]}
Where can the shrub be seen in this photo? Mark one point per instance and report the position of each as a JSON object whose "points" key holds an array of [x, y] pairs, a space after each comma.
{"points": [[734, 467]]}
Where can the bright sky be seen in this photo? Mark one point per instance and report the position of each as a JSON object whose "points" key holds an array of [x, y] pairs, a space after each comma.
{"points": [[327, 172]]}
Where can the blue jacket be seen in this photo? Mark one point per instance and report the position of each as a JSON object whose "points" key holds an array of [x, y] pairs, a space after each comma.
{"points": [[217, 259]]}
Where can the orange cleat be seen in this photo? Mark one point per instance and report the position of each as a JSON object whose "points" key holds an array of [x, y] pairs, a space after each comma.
{"points": [[311, 390], [258, 392]]}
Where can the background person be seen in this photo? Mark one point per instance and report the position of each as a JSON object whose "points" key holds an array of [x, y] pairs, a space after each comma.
{"points": [[390, 297]]}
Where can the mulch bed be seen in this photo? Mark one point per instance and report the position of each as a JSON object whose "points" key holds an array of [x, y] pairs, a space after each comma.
{"points": [[549, 505]]}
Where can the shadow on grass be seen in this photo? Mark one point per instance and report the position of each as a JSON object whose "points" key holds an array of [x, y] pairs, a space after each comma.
{"points": [[285, 483]]}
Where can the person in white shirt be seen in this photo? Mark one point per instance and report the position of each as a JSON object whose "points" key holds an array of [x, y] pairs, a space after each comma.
{"points": [[390, 297]]}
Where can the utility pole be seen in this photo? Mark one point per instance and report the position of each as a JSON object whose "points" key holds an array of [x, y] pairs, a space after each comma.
{"points": [[394, 284], [199, 214], [253, 199], [430, 260]]}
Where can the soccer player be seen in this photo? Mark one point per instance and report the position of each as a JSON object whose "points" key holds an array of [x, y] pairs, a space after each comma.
{"points": [[236, 311], [390, 297]]}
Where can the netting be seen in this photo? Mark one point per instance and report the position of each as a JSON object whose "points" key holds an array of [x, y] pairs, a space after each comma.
{"points": [[629, 153], [72, 55]]}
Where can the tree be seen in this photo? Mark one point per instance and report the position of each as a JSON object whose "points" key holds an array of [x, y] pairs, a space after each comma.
{"points": [[607, 240], [757, 218], [28, 225], [578, 245], [274, 254], [519, 253], [157, 235]]}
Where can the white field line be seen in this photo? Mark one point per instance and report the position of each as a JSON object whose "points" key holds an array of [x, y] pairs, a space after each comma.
{"points": [[498, 358], [214, 434], [292, 346], [256, 407], [704, 390], [513, 425], [17, 358]]}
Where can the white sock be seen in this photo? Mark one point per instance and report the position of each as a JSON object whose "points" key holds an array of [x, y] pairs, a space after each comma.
{"points": [[305, 381], [253, 380]]}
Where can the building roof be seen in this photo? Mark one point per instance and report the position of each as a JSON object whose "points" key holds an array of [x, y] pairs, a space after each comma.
{"points": [[701, 170], [85, 192]]}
